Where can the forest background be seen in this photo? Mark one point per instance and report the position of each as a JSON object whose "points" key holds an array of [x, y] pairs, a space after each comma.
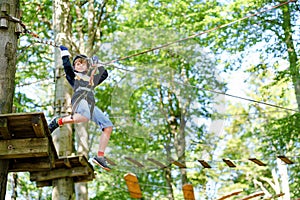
{"points": [[171, 103]]}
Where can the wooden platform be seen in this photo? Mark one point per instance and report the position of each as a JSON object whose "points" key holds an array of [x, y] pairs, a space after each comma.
{"points": [[76, 167], [25, 140]]}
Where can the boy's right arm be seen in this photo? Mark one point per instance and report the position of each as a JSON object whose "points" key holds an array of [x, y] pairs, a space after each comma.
{"points": [[70, 75]]}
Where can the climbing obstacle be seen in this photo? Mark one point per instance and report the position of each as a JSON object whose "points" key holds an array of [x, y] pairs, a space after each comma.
{"points": [[26, 142]]}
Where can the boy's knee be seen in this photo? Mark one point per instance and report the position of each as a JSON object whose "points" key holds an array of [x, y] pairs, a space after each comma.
{"points": [[108, 129]]}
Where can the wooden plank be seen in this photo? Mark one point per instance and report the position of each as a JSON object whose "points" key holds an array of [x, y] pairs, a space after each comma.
{"points": [[67, 163], [179, 164], [59, 173], [24, 148], [135, 162], [30, 164], [230, 195], [52, 153], [38, 126], [133, 186], [26, 125], [204, 163], [276, 196], [188, 192], [157, 163], [110, 161], [78, 179], [4, 132], [258, 162], [82, 160], [43, 183], [253, 195], [20, 115], [229, 163], [285, 159]]}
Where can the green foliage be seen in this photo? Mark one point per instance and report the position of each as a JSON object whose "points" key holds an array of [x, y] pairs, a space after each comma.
{"points": [[161, 90], [281, 135]]}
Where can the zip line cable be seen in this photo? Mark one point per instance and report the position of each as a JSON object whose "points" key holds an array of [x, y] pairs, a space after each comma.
{"points": [[169, 44], [198, 34], [217, 92], [54, 44]]}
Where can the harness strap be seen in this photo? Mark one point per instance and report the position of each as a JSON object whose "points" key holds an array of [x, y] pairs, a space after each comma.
{"points": [[85, 89], [82, 96]]}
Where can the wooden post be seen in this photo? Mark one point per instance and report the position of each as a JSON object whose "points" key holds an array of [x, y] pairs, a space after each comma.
{"points": [[81, 189], [8, 47], [63, 188]]}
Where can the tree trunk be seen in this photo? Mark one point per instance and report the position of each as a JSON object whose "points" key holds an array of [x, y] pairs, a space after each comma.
{"points": [[294, 69], [63, 189], [81, 133], [292, 55], [8, 47], [168, 177]]}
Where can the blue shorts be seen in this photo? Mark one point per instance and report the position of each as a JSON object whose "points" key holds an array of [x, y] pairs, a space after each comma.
{"points": [[98, 116]]}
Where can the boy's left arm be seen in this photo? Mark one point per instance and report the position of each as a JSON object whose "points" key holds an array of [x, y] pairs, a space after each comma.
{"points": [[102, 72]]}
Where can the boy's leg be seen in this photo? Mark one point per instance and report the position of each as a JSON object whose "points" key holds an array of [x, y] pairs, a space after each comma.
{"points": [[82, 114], [103, 121], [74, 119], [71, 119], [104, 138]]}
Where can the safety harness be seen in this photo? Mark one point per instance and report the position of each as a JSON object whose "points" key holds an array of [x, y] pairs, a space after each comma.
{"points": [[84, 85]]}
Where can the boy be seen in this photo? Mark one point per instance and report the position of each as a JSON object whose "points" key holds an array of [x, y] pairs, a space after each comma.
{"points": [[83, 78]]}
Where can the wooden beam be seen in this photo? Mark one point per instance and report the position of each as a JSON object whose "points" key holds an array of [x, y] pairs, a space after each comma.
{"points": [[229, 162], [285, 159], [30, 164], [253, 195], [4, 128], [133, 186], [179, 164], [59, 173], [67, 162], [258, 162], [38, 126], [204, 164], [110, 161], [188, 192], [157, 163], [43, 183], [24, 148], [53, 154], [90, 177], [135, 162], [230, 195], [275, 196], [82, 160]]}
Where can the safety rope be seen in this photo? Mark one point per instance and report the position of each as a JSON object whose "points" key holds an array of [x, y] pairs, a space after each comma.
{"points": [[27, 31], [52, 43], [14, 19], [197, 34]]}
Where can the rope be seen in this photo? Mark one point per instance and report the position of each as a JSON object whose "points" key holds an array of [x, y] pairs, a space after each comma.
{"points": [[197, 34], [52, 43], [27, 31], [14, 19]]}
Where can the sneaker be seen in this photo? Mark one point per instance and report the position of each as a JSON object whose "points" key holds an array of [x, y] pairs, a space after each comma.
{"points": [[101, 161], [53, 124]]}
